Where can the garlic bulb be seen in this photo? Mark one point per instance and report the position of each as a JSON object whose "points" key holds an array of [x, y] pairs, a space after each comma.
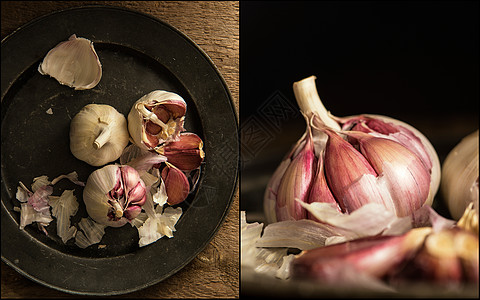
{"points": [[156, 118], [74, 63], [350, 162], [460, 176], [98, 134], [114, 195]]}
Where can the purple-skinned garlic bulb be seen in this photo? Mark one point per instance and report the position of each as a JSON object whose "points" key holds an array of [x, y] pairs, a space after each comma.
{"points": [[114, 195], [351, 161]]}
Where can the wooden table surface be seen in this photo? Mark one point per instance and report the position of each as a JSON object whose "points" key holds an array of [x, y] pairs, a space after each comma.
{"points": [[214, 26]]}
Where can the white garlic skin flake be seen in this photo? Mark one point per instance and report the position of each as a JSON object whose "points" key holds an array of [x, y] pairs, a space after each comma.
{"points": [[73, 63], [98, 134]]}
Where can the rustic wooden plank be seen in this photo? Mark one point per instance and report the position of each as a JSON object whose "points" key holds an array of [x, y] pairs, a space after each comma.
{"points": [[214, 26]]}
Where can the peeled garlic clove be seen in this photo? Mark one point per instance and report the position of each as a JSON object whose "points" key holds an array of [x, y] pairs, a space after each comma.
{"points": [[156, 118], [186, 153], [460, 176], [176, 184], [73, 63], [98, 134], [114, 194]]}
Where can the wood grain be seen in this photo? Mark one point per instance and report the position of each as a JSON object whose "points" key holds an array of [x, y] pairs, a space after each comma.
{"points": [[214, 27]]}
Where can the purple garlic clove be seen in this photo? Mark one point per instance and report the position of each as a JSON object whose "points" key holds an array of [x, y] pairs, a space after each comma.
{"points": [[176, 184]]}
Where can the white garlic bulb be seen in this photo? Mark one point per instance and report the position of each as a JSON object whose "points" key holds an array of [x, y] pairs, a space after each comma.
{"points": [[460, 176], [74, 63], [98, 134], [114, 195], [156, 118]]}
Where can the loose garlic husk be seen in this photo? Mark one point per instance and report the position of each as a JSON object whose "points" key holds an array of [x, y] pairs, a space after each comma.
{"points": [[350, 162], [98, 134], [114, 195], [460, 176], [73, 63], [156, 118]]}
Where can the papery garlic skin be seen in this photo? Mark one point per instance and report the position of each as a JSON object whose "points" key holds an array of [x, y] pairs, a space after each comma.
{"points": [[365, 158], [460, 170], [156, 118], [114, 195], [73, 63], [98, 134]]}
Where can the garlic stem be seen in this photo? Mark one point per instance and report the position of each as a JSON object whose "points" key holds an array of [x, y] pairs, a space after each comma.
{"points": [[309, 101], [118, 209], [103, 137], [151, 116]]}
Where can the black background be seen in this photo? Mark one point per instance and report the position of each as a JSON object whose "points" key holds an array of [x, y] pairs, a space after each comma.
{"points": [[416, 61]]}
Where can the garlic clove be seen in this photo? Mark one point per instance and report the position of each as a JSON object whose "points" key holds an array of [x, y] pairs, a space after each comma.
{"points": [[73, 63], [176, 184], [156, 118], [98, 134], [137, 195], [407, 178], [397, 132], [186, 153], [445, 257], [135, 190], [295, 184], [374, 256], [320, 191], [344, 166], [270, 195]]}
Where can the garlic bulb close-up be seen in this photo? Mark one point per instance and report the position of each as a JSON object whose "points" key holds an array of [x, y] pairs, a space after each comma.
{"points": [[114, 195], [351, 161], [459, 185], [156, 118], [73, 63], [98, 134]]}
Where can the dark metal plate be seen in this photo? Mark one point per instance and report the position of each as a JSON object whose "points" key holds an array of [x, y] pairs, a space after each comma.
{"points": [[139, 54]]}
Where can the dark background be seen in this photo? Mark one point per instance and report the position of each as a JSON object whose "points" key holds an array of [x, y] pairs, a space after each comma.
{"points": [[416, 61]]}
